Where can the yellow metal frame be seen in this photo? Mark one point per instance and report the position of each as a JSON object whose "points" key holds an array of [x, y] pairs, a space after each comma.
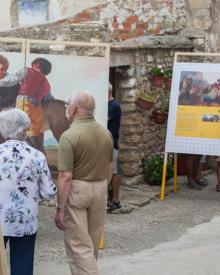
{"points": [[163, 185], [102, 243]]}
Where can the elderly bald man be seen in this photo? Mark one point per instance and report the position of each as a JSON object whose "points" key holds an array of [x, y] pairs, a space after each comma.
{"points": [[85, 167]]}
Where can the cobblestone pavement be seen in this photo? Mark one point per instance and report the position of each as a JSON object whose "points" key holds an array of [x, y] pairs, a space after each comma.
{"points": [[145, 227]]}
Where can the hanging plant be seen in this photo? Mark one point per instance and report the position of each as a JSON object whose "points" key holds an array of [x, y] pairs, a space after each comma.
{"points": [[145, 100], [160, 113], [157, 76]]}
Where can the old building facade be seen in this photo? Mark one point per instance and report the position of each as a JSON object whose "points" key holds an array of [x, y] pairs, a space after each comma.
{"points": [[142, 34]]}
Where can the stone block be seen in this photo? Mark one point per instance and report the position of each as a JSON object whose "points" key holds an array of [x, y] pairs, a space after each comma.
{"points": [[143, 70], [129, 95], [150, 58], [133, 180], [128, 72], [131, 119], [129, 156], [128, 83], [129, 130], [123, 146], [199, 42], [197, 4], [134, 139], [163, 132], [130, 168], [128, 107]]}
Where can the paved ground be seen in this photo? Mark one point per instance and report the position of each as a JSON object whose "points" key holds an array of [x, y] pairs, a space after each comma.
{"points": [[196, 253], [133, 241]]}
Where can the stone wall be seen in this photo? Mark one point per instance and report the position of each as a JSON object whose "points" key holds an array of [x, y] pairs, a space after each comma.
{"points": [[140, 136], [61, 31]]}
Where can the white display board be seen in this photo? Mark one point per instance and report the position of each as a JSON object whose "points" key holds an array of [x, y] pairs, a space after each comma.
{"points": [[70, 74], [194, 112], [73, 74]]}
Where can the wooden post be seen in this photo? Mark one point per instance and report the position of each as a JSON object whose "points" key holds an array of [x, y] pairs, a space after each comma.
{"points": [[3, 261]]}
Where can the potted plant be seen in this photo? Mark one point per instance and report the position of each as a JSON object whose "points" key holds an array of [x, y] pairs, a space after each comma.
{"points": [[160, 114], [157, 76], [153, 168], [168, 78], [146, 100]]}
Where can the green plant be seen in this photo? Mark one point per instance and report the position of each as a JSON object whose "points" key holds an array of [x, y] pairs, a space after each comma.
{"points": [[153, 169], [147, 96], [168, 73], [157, 71], [163, 102]]}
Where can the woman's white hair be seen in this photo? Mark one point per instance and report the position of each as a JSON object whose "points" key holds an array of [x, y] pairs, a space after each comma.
{"points": [[13, 122]]}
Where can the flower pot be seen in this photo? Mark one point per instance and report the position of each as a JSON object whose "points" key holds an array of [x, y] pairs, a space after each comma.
{"points": [[157, 81], [168, 83], [159, 117], [145, 104]]}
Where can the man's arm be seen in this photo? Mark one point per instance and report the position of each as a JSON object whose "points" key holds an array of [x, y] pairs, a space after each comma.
{"points": [[64, 185]]}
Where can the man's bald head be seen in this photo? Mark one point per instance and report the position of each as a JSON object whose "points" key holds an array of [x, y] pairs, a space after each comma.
{"points": [[84, 102]]}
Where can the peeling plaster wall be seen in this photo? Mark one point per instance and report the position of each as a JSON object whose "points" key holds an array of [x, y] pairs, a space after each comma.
{"points": [[198, 17], [5, 20], [131, 18], [126, 18], [65, 8], [213, 27]]}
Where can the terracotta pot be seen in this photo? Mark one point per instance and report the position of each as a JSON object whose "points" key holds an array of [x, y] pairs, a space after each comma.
{"points": [[157, 81], [145, 104], [159, 117], [168, 83]]}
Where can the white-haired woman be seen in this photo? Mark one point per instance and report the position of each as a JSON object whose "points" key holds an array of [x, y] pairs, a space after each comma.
{"points": [[24, 177]]}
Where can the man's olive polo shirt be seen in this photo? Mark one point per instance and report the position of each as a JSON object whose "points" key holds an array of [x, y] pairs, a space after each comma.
{"points": [[86, 149]]}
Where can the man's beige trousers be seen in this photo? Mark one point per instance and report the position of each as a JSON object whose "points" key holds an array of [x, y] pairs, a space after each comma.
{"points": [[84, 218]]}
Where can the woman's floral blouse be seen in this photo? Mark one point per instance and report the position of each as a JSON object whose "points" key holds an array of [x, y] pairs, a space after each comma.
{"points": [[24, 177]]}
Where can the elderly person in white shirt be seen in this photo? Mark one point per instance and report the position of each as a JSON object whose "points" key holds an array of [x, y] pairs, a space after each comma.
{"points": [[24, 178]]}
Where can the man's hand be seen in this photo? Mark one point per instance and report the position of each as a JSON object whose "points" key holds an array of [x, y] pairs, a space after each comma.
{"points": [[59, 219], [64, 184]]}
